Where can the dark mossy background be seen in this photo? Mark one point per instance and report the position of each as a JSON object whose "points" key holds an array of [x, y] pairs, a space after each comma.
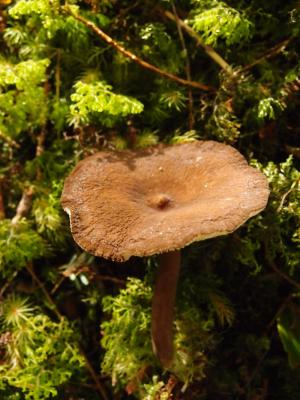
{"points": [[76, 327]]}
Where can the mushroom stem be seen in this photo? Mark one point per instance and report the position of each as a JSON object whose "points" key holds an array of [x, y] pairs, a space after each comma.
{"points": [[163, 306]]}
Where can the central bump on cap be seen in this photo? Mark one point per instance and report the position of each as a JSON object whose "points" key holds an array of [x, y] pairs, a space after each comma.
{"points": [[159, 201]]}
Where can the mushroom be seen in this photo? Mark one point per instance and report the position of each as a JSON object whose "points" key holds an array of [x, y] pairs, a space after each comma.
{"points": [[157, 201]]}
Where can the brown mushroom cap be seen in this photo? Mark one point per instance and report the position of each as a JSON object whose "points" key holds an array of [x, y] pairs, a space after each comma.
{"points": [[144, 202]]}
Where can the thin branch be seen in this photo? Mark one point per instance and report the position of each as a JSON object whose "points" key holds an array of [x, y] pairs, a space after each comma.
{"points": [[282, 306], [2, 207], [30, 269], [270, 53], [23, 209], [284, 275], [57, 284], [277, 270], [93, 374], [286, 195], [57, 75], [40, 148], [117, 281], [191, 118], [135, 58], [9, 141], [88, 365], [8, 283], [24, 205], [40, 142], [260, 361], [256, 370], [208, 49], [41, 138]]}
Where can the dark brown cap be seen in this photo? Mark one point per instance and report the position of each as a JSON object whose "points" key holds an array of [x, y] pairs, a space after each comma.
{"points": [[144, 202]]}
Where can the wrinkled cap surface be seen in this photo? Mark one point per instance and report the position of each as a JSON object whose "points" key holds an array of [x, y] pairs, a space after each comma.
{"points": [[144, 202]]}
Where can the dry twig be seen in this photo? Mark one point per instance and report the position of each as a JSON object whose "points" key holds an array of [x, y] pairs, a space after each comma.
{"points": [[2, 208], [191, 119], [54, 307], [22, 210], [117, 281], [35, 278], [135, 58], [286, 195], [93, 374], [278, 48], [58, 74], [284, 275], [9, 141], [40, 143], [208, 49], [8, 283], [278, 271], [260, 361], [24, 205], [281, 307]]}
